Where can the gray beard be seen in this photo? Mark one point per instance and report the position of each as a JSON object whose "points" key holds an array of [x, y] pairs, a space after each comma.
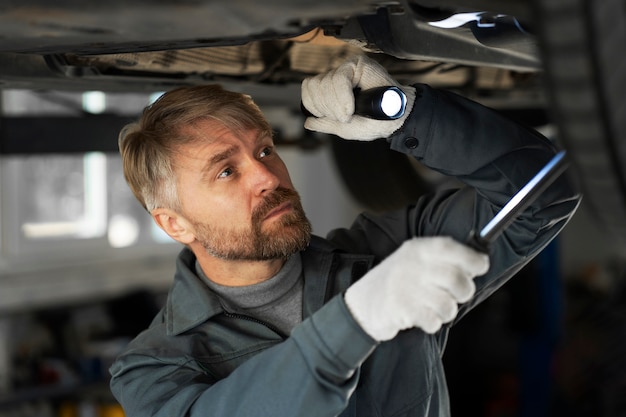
{"points": [[290, 234]]}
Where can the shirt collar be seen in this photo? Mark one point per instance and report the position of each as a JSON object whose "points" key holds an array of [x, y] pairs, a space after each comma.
{"points": [[264, 293], [191, 302]]}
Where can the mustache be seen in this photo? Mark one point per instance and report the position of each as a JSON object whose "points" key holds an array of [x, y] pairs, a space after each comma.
{"points": [[273, 200]]}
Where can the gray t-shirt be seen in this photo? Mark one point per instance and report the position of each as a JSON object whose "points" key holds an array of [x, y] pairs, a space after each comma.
{"points": [[277, 301]]}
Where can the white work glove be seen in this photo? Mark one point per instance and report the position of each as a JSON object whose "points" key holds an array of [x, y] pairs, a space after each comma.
{"points": [[329, 97], [419, 285]]}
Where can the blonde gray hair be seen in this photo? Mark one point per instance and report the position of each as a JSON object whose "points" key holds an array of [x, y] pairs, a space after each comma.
{"points": [[148, 145]]}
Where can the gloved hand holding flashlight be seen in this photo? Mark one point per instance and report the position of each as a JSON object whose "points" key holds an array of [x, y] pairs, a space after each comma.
{"points": [[330, 98]]}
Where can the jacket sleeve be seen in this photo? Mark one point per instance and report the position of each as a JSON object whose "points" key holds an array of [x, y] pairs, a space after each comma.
{"points": [[493, 157], [312, 373]]}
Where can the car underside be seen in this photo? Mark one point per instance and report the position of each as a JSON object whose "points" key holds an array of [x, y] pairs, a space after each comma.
{"points": [[542, 61]]}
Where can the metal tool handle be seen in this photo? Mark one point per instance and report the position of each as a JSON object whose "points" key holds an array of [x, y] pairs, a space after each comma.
{"points": [[518, 203]]}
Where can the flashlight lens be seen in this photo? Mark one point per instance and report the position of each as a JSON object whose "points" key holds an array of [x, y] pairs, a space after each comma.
{"points": [[392, 103]]}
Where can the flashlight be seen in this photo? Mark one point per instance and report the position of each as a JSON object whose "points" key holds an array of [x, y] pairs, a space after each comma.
{"points": [[380, 103]]}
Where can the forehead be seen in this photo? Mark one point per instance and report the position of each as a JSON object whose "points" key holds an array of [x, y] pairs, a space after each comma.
{"points": [[206, 137]]}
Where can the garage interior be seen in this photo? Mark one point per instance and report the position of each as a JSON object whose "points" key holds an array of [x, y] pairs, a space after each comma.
{"points": [[83, 269]]}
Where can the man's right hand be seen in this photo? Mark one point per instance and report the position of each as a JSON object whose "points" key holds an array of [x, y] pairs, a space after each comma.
{"points": [[330, 98], [419, 285]]}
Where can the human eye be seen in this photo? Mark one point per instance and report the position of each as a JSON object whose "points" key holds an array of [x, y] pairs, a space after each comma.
{"points": [[266, 151], [225, 173]]}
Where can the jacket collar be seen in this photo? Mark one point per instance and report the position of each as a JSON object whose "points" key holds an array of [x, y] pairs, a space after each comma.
{"points": [[191, 302], [317, 263]]}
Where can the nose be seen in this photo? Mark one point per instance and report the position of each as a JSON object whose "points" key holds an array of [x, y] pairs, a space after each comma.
{"points": [[263, 178]]}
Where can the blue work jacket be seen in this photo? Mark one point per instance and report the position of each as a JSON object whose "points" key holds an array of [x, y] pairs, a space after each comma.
{"points": [[196, 359]]}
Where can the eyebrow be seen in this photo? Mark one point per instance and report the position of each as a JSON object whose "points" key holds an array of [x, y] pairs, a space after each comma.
{"points": [[219, 157], [227, 153]]}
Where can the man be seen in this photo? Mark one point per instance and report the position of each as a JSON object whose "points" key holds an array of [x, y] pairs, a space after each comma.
{"points": [[265, 320]]}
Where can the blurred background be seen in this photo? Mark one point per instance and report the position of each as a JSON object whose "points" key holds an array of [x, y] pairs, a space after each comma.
{"points": [[83, 269]]}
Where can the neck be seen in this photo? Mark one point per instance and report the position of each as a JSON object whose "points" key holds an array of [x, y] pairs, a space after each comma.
{"points": [[237, 273]]}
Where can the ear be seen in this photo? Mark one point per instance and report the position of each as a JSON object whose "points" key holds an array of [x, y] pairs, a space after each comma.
{"points": [[175, 225]]}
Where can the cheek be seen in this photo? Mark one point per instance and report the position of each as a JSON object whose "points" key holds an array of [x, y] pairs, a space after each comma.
{"points": [[223, 209], [282, 173], [198, 201]]}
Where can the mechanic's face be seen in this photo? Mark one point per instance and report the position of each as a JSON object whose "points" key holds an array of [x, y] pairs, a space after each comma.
{"points": [[237, 196]]}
